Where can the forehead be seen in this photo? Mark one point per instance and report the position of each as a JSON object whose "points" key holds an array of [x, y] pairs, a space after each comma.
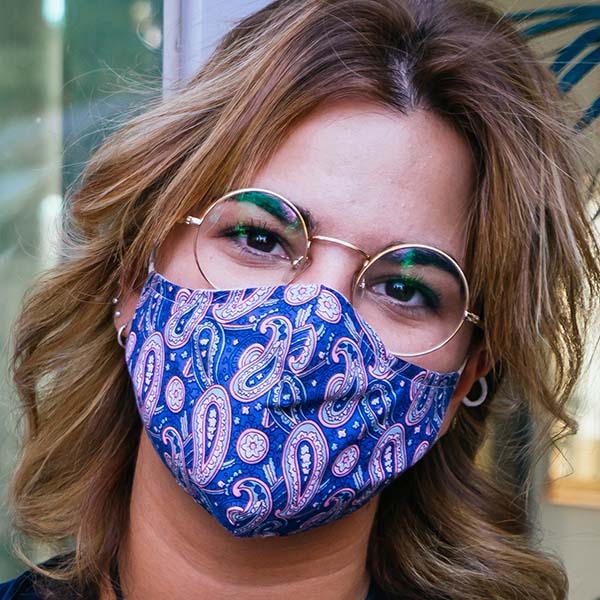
{"points": [[375, 177]]}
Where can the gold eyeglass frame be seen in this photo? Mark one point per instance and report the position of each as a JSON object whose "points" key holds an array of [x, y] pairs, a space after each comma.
{"points": [[303, 261]]}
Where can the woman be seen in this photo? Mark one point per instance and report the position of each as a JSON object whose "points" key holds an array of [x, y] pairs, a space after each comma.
{"points": [[325, 252]]}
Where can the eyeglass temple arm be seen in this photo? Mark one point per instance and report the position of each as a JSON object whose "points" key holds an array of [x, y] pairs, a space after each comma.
{"points": [[473, 318], [189, 220]]}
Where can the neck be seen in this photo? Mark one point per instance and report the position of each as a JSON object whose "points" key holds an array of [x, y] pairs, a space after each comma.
{"points": [[174, 549]]}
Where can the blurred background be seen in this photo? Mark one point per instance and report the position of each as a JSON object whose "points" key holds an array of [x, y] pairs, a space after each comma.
{"points": [[73, 70]]}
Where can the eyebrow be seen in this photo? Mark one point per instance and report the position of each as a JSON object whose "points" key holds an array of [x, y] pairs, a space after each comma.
{"points": [[255, 197], [311, 222], [422, 256]]}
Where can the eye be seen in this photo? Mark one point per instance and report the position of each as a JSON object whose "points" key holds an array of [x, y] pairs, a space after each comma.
{"points": [[257, 239], [261, 240], [406, 293]]}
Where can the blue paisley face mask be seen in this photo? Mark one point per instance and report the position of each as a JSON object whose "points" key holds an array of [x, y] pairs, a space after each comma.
{"points": [[277, 409]]}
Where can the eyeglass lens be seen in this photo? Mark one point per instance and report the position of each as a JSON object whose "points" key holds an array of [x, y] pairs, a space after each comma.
{"points": [[250, 239], [413, 297]]}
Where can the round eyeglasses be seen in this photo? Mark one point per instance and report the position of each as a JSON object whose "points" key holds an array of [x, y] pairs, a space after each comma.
{"points": [[414, 296]]}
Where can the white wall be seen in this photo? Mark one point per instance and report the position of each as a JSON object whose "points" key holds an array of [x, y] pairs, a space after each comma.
{"points": [[193, 27]]}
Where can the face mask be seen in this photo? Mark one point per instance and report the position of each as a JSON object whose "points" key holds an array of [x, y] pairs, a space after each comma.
{"points": [[276, 408]]}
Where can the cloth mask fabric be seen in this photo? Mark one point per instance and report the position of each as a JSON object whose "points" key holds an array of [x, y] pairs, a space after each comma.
{"points": [[277, 409]]}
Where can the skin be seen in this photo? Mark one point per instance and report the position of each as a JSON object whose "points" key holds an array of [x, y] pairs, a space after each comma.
{"points": [[369, 176]]}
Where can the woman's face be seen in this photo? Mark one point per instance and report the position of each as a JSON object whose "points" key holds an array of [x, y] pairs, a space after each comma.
{"points": [[374, 178]]}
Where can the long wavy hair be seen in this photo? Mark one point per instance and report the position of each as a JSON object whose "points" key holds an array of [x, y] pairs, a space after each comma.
{"points": [[445, 529]]}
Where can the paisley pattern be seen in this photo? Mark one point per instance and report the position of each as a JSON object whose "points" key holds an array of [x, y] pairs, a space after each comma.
{"points": [[277, 409], [344, 390], [305, 457], [147, 374], [186, 318], [246, 518], [260, 368], [388, 458], [211, 431]]}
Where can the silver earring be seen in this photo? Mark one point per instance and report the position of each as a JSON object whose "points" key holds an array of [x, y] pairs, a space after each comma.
{"points": [[121, 341], [482, 396], [115, 301]]}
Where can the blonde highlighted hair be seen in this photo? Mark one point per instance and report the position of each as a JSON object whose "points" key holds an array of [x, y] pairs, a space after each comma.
{"points": [[444, 529]]}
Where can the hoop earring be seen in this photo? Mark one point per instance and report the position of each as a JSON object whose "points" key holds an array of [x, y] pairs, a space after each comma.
{"points": [[482, 396], [120, 340]]}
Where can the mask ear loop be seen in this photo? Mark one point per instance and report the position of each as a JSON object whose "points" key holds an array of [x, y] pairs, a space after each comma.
{"points": [[151, 265], [462, 367]]}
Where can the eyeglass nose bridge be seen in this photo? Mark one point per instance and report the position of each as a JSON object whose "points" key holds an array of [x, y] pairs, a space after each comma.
{"points": [[301, 263], [344, 243]]}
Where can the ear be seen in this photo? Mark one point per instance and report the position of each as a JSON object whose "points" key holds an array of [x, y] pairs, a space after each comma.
{"points": [[126, 307], [478, 365]]}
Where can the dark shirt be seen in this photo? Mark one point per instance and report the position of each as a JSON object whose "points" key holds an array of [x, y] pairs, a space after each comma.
{"points": [[33, 586], [24, 588]]}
